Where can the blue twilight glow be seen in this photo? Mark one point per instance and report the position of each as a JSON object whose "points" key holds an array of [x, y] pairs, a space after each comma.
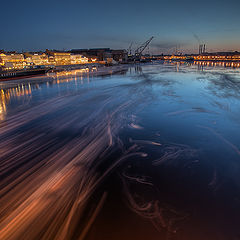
{"points": [[37, 25]]}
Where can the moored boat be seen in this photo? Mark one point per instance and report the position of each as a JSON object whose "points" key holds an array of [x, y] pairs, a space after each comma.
{"points": [[7, 75]]}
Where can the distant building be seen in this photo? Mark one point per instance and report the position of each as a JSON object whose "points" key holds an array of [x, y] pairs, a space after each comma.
{"points": [[12, 60], [219, 56], [102, 54], [59, 58], [36, 59], [119, 55], [78, 59], [96, 53], [2, 55]]}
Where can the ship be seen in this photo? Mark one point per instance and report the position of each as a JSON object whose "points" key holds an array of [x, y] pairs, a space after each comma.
{"points": [[189, 59], [15, 74]]}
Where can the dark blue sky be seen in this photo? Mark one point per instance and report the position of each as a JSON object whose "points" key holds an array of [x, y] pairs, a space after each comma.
{"points": [[52, 24]]}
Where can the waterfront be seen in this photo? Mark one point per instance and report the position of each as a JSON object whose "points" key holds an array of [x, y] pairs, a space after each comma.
{"points": [[151, 152]]}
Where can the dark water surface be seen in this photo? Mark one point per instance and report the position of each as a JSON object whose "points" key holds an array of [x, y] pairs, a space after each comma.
{"points": [[150, 153]]}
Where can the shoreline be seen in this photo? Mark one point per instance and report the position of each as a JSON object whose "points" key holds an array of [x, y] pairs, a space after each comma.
{"points": [[86, 71]]}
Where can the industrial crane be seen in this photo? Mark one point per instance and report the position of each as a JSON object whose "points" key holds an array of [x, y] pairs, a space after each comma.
{"points": [[130, 49], [139, 50]]}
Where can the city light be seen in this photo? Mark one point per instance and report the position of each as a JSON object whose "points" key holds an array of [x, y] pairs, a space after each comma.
{"points": [[31, 60]]}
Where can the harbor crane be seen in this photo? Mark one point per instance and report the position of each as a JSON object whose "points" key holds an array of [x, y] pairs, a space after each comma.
{"points": [[138, 52], [140, 49], [130, 49]]}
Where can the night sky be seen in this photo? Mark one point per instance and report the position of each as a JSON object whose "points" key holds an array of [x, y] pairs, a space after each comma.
{"points": [[37, 25]]}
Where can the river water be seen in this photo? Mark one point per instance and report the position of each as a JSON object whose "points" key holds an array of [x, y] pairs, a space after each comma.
{"points": [[151, 152]]}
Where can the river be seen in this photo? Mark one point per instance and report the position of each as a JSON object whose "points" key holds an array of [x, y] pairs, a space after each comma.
{"points": [[150, 152]]}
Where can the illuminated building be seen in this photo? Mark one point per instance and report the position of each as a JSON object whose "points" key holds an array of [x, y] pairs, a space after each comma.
{"points": [[78, 59], [36, 59], [59, 58], [12, 61], [2, 55], [219, 56]]}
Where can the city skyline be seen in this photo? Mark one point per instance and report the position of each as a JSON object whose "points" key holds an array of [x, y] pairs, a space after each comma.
{"points": [[78, 24]]}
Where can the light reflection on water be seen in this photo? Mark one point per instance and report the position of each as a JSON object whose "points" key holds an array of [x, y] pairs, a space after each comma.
{"points": [[151, 153]]}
